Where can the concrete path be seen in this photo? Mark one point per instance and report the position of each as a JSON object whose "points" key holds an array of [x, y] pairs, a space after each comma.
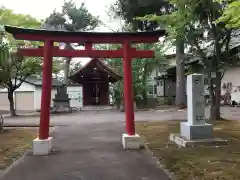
{"points": [[89, 152], [88, 147], [115, 116]]}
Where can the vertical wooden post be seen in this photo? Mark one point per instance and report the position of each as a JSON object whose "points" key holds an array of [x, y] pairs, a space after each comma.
{"points": [[88, 46], [128, 92], [46, 91]]}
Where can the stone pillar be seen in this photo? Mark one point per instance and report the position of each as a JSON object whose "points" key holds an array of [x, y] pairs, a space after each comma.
{"points": [[195, 127]]}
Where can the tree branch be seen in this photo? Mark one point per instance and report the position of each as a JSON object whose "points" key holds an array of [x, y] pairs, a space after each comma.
{"points": [[22, 80]]}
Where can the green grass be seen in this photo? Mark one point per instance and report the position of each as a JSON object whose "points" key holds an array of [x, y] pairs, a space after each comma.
{"points": [[201, 163]]}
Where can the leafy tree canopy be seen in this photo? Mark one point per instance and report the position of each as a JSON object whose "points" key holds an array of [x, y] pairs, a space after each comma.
{"points": [[129, 9], [72, 18], [231, 15]]}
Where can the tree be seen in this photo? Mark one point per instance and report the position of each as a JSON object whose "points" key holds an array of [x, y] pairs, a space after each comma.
{"points": [[129, 9], [141, 69], [75, 66], [8, 17], [231, 14], [14, 68], [198, 17], [72, 18]]}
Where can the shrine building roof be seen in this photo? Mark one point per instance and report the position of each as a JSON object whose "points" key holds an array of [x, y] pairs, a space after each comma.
{"points": [[86, 72]]}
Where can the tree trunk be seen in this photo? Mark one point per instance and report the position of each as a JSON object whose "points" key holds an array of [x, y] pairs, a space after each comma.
{"points": [[216, 99], [145, 88], [66, 70], [11, 102], [180, 72], [144, 96], [67, 65]]}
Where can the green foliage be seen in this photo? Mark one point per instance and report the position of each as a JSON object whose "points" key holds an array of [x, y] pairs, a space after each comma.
{"points": [[16, 67], [190, 21], [12, 65], [72, 18], [3, 54], [129, 9], [141, 69], [175, 22], [8, 17], [75, 66], [231, 15]]}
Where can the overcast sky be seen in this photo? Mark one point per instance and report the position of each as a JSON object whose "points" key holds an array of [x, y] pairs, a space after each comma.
{"points": [[42, 8]]}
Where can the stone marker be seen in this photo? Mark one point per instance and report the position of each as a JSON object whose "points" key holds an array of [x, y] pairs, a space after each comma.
{"points": [[61, 101], [122, 108], [196, 131], [196, 128]]}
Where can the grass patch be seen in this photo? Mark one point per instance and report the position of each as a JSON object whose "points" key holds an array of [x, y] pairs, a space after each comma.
{"points": [[13, 143], [201, 163]]}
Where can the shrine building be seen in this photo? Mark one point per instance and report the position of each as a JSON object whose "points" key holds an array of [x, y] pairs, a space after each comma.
{"points": [[95, 78]]}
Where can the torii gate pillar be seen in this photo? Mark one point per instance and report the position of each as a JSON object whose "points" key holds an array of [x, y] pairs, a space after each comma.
{"points": [[43, 144], [130, 140]]}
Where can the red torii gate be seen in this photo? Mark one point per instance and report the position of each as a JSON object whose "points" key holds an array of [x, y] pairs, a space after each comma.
{"points": [[88, 38]]}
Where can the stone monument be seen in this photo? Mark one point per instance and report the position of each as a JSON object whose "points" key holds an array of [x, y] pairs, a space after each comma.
{"points": [[122, 106], [195, 130], [61, 102]]}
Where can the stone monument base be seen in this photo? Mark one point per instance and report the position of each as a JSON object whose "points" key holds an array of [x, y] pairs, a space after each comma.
{"points": [[183, 142], [131, 141], [122, 108], [191, 132], [61, 110], [42, 147]]}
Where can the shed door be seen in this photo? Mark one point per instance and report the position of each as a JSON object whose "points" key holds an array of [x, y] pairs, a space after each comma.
{"points": [[24, 101], [4, 102]]}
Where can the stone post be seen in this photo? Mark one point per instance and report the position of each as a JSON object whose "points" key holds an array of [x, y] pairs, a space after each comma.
{"points": [[195, 127], [195, 99]]}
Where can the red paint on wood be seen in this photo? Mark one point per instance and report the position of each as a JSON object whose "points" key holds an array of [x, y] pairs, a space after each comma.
{"points": [[46, 91], [128, 92], [88, 46], [34, 52]]}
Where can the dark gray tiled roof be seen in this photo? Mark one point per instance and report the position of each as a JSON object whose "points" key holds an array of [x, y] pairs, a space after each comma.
{"points": [[38, 81]]}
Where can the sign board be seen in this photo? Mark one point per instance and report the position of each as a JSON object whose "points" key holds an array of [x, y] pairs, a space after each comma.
{"points": [[76, 96]]}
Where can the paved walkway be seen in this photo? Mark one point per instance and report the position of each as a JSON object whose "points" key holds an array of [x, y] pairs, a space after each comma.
{"points": [[114, 116], [89, 152]]}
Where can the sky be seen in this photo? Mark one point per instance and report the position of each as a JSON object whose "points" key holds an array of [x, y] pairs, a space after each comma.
{"points": [[42, 8]]}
